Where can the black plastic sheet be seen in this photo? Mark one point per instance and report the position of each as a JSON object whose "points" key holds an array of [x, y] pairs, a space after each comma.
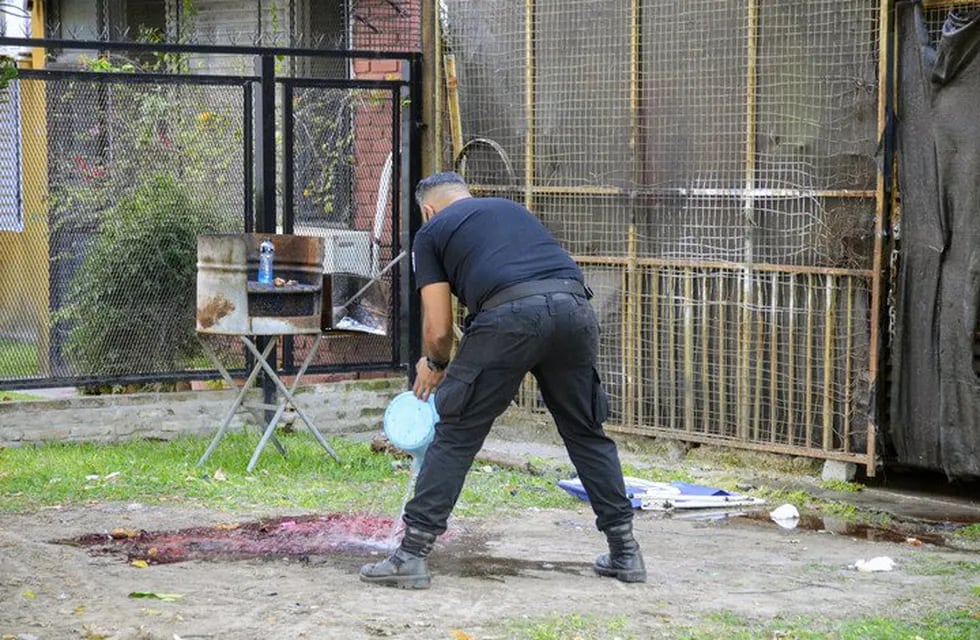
{"points": [[935, 400]]}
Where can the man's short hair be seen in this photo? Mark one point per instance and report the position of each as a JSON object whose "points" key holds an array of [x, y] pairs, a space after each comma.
{"points": [[438, 180]]}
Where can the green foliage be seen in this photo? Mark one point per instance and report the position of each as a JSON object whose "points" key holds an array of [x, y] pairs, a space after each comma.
{"points": [[8, 73], [138, 280], [152, 176]]}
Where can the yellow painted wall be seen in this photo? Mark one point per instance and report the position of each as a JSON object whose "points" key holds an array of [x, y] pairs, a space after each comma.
{"points": [[24, 283]]}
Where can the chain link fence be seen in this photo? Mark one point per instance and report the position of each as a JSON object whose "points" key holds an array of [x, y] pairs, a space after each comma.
{"points": [[127, 158], [713, 167]]}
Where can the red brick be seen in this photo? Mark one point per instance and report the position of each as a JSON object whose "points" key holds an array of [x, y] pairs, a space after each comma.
{"points": [[384, 66]]}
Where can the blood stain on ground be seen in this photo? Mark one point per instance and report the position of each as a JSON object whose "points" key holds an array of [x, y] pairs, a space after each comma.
{"points": [[283, 537]]}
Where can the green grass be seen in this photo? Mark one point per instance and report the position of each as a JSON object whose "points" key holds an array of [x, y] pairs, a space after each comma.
{"points": [[157, 471], [958, 624], [808, 503], [969, 532], [18, 396], [842, 486], [927, 565], [569, 627], [18, 359]]}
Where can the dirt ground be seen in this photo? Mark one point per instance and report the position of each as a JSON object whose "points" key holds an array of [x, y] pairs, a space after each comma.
{"points": [[486, 573]]}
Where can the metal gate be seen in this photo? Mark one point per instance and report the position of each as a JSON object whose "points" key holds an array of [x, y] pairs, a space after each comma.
{"points": [[126, 160], [715, 169]]}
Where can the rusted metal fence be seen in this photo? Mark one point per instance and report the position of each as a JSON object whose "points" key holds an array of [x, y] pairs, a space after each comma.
{"points": [[716, 170]]}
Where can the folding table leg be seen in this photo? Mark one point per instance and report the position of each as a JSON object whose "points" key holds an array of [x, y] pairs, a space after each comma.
{"points": [[274, 422], [259, 418], [289, 396], [238, 401]]}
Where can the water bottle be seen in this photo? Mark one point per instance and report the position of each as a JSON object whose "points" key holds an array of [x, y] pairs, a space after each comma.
{"points": [[266, 252]]}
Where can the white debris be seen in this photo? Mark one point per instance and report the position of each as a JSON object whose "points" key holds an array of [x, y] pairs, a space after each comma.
{"points": [[786, 516], [881, 563]]}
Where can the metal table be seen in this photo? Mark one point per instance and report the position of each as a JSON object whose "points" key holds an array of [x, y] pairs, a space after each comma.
{"points": [[287, 397], [230, 302]]}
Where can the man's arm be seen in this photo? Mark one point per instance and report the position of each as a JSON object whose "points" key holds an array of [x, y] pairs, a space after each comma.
{"points": [[437, 337], [437, 321]]}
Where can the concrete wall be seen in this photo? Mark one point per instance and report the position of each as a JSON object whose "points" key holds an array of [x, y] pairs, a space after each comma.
{"points": [[342, 407]]}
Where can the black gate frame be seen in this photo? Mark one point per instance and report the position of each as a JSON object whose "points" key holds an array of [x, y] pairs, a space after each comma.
{"points": [[259, 167]]}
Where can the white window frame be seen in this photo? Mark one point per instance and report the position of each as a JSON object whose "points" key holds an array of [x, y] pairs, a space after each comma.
{"points": [[11, 159]]}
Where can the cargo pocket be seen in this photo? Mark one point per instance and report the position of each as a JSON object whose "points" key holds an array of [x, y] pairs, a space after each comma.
{"points": [[455, 391], [600, 401]]}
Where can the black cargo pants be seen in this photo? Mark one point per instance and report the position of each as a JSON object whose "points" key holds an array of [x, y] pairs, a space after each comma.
{"points": [[555, 337]]}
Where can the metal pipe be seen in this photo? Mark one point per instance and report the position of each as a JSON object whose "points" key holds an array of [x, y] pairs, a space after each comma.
{"points": [[828, 364], [808, 360], [848, 347], [681, 192], [721, 265], [396, 227], [774, 358], [688, 350], [163, 47]]}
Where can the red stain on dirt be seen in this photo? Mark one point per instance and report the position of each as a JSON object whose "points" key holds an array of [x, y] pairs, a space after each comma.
{"points": [[268, 538]]}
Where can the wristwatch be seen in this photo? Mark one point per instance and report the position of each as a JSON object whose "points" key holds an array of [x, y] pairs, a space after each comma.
{"points": [[435, 365]]}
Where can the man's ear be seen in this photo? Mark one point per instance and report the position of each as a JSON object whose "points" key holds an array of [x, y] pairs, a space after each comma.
{"points": [[427, 212]]}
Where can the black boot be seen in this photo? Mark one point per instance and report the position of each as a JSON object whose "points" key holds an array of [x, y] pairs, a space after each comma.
{"points": [[407, 567], [624, 560]]}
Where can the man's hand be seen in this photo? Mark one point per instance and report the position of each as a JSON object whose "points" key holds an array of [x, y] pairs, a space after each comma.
{"points": [[426, 380]]}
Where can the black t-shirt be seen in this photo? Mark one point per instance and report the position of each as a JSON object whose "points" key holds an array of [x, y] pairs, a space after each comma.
{"points": [[482, 245]]}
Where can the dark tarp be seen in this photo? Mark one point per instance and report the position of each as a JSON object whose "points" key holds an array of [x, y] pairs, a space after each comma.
{"points": [[935, 412]]}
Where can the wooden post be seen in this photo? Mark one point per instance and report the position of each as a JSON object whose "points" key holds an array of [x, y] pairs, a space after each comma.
{"points": [[884, 58], [631, 321], [636, 356], [744, 325], [529, 77], [452, 99]]}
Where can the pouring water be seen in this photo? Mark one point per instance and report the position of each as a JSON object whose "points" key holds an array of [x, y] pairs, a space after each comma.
{"points": [[409, 424]]}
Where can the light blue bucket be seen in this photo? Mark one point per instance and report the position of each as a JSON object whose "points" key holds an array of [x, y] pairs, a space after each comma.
{"points": [[410, 423]]}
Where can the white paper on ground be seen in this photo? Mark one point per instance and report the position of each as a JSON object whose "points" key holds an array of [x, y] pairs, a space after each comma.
{"points": [[881, 563]]}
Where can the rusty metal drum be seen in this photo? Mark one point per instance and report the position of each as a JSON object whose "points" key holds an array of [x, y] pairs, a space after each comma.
{"points": [[231, 301]]}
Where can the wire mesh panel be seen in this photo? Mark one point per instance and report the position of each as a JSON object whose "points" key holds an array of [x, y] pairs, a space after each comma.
{"points": [[712, 166], [136, 171], [345, 190]]}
